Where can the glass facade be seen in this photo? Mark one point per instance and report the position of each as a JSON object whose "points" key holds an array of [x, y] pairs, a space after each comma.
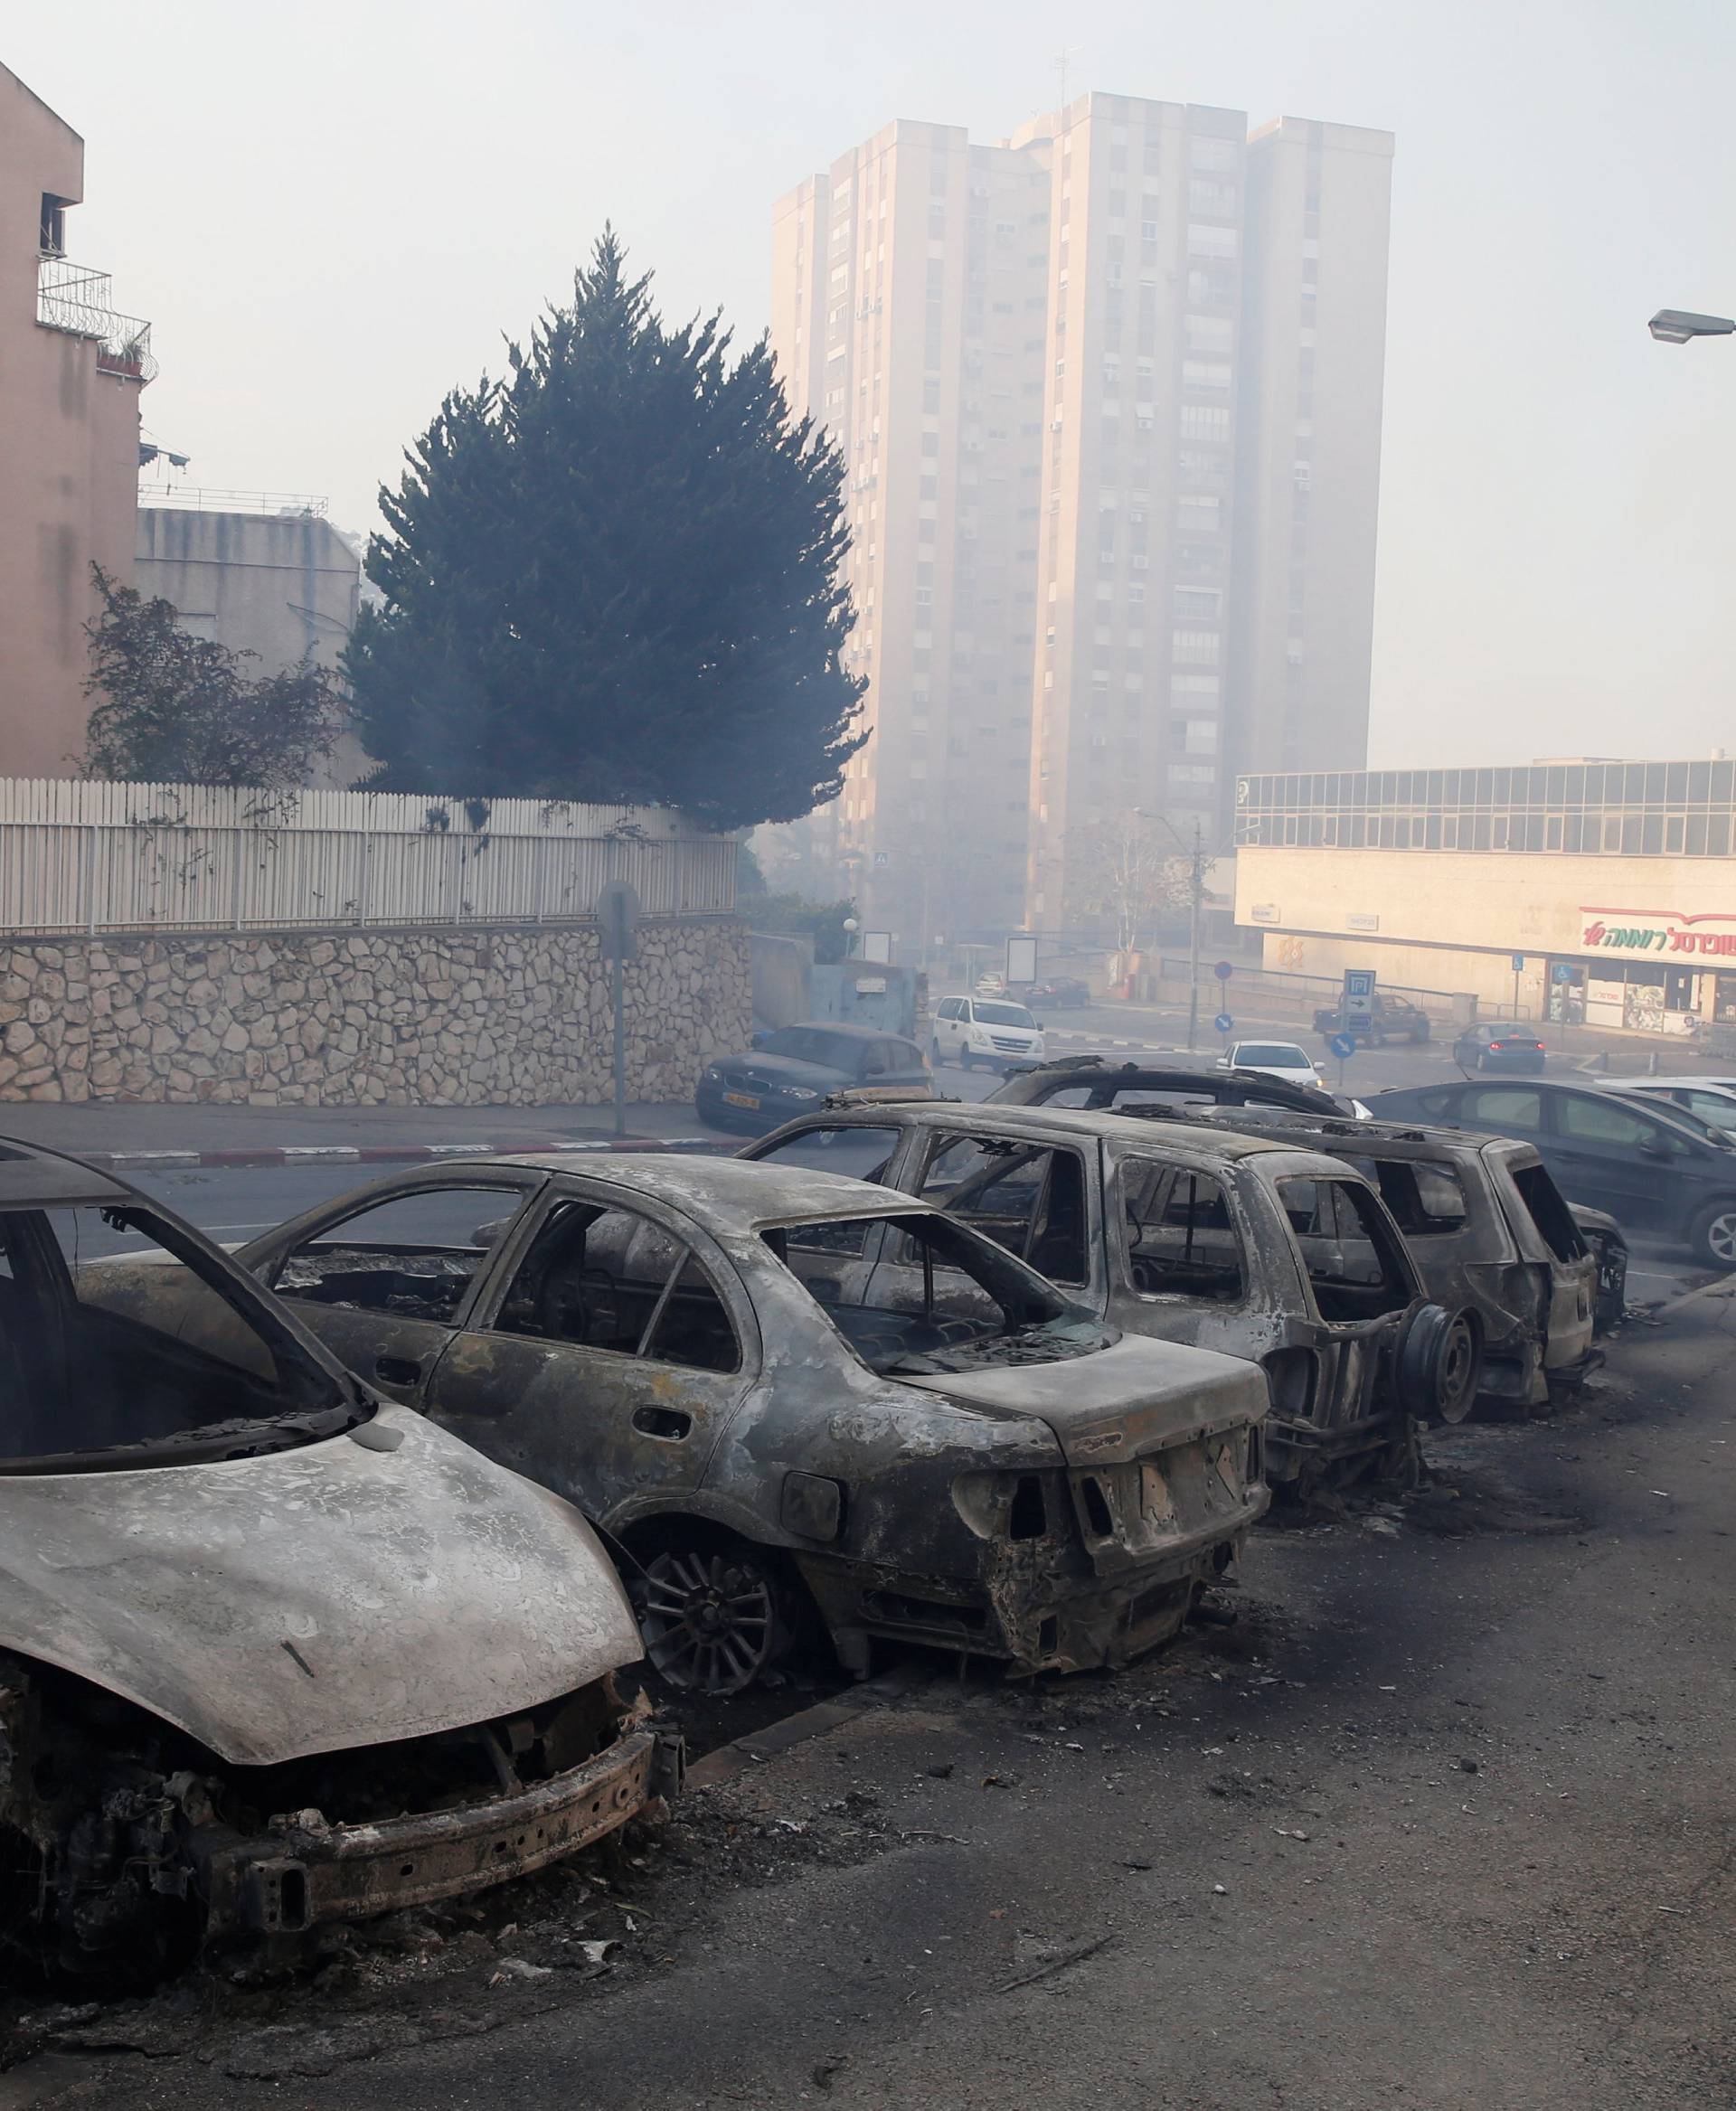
{"points": [[1604, 809]]}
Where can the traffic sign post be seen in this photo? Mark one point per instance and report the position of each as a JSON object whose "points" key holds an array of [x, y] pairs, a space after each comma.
{"points": [[1343, 1046], [618, 911], [1518, 968], [1224, 970], [1224, 1023]]}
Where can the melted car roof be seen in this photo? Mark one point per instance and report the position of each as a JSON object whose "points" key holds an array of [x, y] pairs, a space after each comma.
{"points": [[1162, 1129], [736, 1187]]}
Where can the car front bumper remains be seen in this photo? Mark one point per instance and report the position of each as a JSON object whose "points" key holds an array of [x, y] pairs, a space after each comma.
{"points": [[309, 1872]]}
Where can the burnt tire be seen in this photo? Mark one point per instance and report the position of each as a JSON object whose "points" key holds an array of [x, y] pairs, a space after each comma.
{"points": [[714, 1612], [1713, 1236], [1440, 1363]]}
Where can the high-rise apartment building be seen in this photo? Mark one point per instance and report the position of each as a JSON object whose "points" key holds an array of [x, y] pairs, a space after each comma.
{"points": [[1036, 357]]}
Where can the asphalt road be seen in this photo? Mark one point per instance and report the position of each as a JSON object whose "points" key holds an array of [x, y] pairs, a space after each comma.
{"points": [[1443, 1822], [234, 1204]]}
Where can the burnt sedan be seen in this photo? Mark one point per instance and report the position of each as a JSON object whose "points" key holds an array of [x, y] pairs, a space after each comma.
{"points": [[1090, 1082], [1169, 1226], [273, 1652], [787, 1395]]}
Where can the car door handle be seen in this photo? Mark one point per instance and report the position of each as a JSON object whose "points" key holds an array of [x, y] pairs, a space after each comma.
{"points": [[669, 1423], [396, 1370]]}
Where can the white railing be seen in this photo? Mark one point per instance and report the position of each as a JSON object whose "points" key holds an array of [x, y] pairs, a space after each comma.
{"points": [[77, 857], [71, 297]]}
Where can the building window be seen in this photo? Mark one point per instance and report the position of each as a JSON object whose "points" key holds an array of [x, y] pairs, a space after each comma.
{"points": [[1195, 647]]}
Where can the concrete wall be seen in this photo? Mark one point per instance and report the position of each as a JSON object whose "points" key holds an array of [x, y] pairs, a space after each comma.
{"points": [[69, 460], [504, 1016]]}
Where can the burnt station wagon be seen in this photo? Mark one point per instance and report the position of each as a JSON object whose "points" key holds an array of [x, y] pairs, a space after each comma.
{"points": [[1263, 1249]]}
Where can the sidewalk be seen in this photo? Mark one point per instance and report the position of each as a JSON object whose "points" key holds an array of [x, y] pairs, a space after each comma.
{"points": [[141, 1134]]}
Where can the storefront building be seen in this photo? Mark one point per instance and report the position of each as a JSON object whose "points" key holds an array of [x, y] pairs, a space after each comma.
{"points": [[1589, 891]]}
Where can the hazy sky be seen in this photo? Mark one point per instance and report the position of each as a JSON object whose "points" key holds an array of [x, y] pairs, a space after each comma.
{"points": [[331, 213]]}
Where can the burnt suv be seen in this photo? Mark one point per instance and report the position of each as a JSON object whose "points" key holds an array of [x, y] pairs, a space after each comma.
{"points": [[1489, 1230], [1165, 1226]]}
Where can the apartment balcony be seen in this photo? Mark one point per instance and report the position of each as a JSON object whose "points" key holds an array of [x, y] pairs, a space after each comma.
{"points": [[80, 302]]}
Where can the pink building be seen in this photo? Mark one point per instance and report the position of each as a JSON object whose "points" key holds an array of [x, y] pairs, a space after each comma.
{"points": [[71, 373]]}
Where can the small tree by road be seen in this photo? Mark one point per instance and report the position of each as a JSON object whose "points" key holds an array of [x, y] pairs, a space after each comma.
{"points": [[1129, 875], [175, 709], [615, 575]]}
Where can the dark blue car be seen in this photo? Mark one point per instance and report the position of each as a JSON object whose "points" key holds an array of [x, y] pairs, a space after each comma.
{"points": [[789, 1071]]}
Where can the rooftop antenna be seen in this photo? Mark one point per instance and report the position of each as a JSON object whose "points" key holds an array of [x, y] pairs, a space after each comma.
{"points": [[1063, 59]]}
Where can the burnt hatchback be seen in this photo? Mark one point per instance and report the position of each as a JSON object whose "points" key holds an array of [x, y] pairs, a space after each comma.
{"points": [[787, 1395], [1168, 1227]]}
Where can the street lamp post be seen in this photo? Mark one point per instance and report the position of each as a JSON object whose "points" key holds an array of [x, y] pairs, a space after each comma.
{"points": [[1679, 325]]}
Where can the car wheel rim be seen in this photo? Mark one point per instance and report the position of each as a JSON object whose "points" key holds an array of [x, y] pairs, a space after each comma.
{"points": [[1457, 1371], [1720, 1237], [707, 1620]]}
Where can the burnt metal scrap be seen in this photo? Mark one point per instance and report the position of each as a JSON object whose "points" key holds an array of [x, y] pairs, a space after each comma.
{"points": [[787, 1395]]}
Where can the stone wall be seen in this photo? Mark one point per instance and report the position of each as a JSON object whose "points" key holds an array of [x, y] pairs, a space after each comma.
{"points": [[508, 1015]]}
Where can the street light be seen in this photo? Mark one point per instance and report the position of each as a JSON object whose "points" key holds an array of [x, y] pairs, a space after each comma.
{"points": [[1678, 325]]}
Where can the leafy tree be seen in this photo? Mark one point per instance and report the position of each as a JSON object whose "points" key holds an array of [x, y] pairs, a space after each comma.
{"points": [[177, 709], [615, 575], [1131, 876], [792, 916]]}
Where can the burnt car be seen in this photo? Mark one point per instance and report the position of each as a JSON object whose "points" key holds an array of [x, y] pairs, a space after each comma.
{"points": [[1169, 1226], [790, 1397], [273, 1651], [1489, 1230], [1091, 1082]]}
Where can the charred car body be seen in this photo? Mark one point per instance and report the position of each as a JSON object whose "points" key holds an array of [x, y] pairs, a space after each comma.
{"points": [[1167, 1227], [1091, 1083], [1489, 1230], [237, 1585], [783, 1392]]}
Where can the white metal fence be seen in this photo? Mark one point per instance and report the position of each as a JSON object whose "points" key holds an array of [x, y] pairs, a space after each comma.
{"points": [[113, 857]]}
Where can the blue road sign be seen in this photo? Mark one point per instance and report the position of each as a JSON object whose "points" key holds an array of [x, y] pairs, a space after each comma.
{"points": [[1224, 1022], [1223, 971], [1562, 971], [1342, 1044], [1518, 962]]}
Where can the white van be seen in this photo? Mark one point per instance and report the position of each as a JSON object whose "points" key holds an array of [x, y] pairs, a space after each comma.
{"points": [[968, 1031]]}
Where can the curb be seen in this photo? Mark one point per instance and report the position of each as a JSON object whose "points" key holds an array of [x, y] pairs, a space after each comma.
{"points": [[281, 1154]]}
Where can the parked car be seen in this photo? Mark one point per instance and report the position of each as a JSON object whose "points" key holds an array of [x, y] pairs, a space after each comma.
{"points": [[795, 1066], [1655, 1169], [1500, 1047], [273, 1651], [788, 1396], [1489, 1230], [1090, 1082], [1393, 1019], [968, 1031], [991, 983], [1169, 1226], [1060, 992], [1272, 1059], [1711, 1102]]}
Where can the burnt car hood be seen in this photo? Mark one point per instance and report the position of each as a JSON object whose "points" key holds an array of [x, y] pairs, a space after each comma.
{"points": [[318, 1599], [1136, 1397]]}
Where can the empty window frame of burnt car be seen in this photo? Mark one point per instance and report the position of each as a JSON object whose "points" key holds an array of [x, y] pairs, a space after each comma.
{"points": [[1489, 1231], [1187, 1236]]}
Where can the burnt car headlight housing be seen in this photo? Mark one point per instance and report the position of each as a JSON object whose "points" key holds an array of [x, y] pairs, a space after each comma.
{"points": [[812, 1506], [1001, 1505]]}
